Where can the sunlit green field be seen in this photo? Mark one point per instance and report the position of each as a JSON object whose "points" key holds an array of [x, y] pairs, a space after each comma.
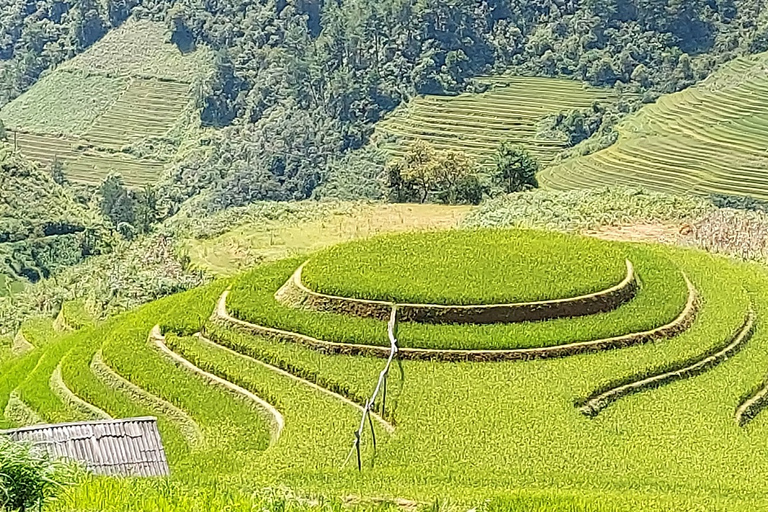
{"points": [[120, 106], [478, 123], [492, 435], [710, 138]]}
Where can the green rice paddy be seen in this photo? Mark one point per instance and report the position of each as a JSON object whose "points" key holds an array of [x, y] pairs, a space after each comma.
{"points": [[709, 138], [478, 123], [507, 435]]}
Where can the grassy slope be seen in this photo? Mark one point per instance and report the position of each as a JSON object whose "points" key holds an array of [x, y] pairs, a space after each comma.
{"points": [[477, 123], [140, 49], [129, 89], [63, 103], [38, 222], [710, 138], [465, 431], [459, 267], [236, 239]]}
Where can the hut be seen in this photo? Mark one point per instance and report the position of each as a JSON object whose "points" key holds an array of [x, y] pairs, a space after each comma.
{"points": [[125, 447]]}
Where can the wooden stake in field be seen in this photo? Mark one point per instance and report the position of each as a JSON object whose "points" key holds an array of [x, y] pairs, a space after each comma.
{"points": [[380, 385]]}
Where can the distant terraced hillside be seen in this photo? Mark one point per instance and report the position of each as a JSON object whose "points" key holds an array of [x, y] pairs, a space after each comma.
{"points": [[477, 123], [120, 107], [711, 138]]}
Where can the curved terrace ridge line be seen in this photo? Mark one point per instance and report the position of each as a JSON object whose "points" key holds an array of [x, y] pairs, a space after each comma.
{"points": [[384, 423], [21, 344], [189, 429], [676, 326], [20, 412], [751, 407], [594, 405], [296, 294], [69, 398], [276, 420]]}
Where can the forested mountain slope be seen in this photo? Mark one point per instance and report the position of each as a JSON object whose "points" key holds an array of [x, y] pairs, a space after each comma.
{"points": [[298, 86]]}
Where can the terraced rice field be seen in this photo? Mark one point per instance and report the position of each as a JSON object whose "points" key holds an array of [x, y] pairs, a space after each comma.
{"points": [[128, 89], [654, 403], [149, 108], [710, 138], [478, 123]]}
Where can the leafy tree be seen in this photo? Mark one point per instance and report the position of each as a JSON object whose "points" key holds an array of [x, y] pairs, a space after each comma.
{"points": [[515, 169], [116, 203], [145, 209], [423, 172], [419, 167], [57, 171], [88, 24]]}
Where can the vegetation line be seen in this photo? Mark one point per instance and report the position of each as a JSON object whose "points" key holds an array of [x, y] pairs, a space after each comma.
{"points": [[296, 294], [676, 326], [275, 418], [597, 403], [69, 398], [60, 323], [189, 429], [384, 423]]}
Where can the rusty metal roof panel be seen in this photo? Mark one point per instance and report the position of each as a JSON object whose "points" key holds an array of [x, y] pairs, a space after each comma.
{"points": [[127, 447]]}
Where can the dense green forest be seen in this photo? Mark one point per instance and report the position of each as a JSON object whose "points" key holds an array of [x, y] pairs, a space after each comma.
{"points": [[298, 86]]}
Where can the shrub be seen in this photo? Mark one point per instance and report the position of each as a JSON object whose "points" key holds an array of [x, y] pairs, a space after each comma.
{"points": [[29, 477]]}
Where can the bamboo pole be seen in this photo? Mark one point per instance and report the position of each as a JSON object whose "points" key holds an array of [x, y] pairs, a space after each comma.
{"points": [[381, 384]]}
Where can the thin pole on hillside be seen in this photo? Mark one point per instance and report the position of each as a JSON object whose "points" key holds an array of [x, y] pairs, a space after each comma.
{"points": [[380, 385]]}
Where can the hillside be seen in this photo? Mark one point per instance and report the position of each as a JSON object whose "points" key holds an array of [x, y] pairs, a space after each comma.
{"points": [[478, 123], [123, 106], [710, 138], [453, 430], [42, 227]]}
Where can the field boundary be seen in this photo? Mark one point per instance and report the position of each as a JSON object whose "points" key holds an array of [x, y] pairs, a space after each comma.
{"points": [[19, 412], [685, 370], [676, 326], [69, 398], [384, 423], [276, 420], [189, 429], [21, 345], [295, 293]]}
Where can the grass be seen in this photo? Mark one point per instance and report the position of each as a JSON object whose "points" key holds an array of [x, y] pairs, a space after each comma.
{"points": [[236, 239], [39, 331], [149, 108], [63, 104], [489, 436], [478, 123], [467, 267], [141, 49], [76, 314], [707, 139], [124, 106], [660, 300], [580, 210]]}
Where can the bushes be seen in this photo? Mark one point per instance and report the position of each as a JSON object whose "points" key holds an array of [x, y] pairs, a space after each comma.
{"points": [[29, 478]]}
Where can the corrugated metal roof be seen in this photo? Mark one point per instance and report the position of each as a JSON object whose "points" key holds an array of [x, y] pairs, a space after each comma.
{"points": [[127, 447]]}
